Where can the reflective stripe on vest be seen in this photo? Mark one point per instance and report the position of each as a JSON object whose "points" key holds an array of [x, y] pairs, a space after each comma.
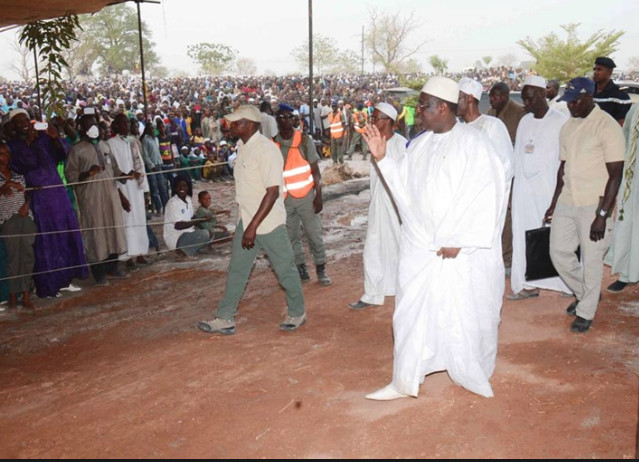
{"points": [[298, 178], [337, 129]]}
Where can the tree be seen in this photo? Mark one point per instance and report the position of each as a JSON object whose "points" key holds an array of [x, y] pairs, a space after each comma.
{"points": [[246, 66], [79, 56], [347, 61], [412, 66], [487, 60], [48, 38], [325, 54], [439, 64], [213, 58], [111, 41], [563, 60], [388, 38], [508, 60], [24, 65]]}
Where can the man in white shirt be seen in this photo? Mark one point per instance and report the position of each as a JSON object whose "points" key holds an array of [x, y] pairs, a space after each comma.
{"points": [[268, 124], [178, 220], [552, 95], [536, 165], [135, 219], [381, 250]]}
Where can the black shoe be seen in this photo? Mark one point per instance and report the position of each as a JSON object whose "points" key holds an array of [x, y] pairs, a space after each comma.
{"points": [[322, 277], [118, 275], [572, 308], [359, 305], [617, 286], [304, 276], [580, 325]]}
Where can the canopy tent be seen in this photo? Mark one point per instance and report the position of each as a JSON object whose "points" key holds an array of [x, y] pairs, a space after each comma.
{"points": [[18, 13]]}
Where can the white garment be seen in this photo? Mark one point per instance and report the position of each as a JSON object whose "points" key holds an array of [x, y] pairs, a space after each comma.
{"points": [[624, 250], [325, 111], [560, 106], [449, 189], [176, 210], [268, 127], [497, 133], [381, 250], [137, 239], [536, 165]]}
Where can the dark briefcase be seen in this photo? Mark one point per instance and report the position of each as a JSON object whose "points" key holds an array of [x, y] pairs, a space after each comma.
{"points": [[538, 263]]}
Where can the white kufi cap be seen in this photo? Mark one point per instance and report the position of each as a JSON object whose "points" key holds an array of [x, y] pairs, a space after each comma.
{"points": [[443, 88], [535, 81], [387, 109], [15, 112], [471, 87]]}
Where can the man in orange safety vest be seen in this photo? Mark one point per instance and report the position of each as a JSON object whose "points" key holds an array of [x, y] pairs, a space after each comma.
{"points": [[302, 193]]}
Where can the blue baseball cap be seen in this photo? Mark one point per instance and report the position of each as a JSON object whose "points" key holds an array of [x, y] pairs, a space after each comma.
{"points": [[577, 87], [285, 108]]}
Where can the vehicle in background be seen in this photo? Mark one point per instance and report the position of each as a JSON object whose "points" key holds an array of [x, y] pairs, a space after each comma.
{"points": [[631, 87]]}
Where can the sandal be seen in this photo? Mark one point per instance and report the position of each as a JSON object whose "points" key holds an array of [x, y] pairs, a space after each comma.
{"points": [[523, 294]]}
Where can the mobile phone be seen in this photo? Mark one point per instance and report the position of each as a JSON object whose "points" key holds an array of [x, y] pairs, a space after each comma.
{"points": [[41, 125]]}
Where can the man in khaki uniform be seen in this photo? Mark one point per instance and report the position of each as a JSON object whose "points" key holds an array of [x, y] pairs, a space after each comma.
{"points": [[262, 224], [592, 157]]}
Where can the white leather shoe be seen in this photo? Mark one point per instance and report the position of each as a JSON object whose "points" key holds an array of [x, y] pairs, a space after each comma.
{"points": [[387, 393]]}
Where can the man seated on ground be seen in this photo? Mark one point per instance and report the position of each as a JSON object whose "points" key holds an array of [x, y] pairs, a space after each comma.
{"points": [[204, 211], [180, 233]]}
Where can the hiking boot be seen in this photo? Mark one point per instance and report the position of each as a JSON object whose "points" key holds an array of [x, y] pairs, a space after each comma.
{"points": [[293, 322], [218, 326], [304, 276], [322, 277]]}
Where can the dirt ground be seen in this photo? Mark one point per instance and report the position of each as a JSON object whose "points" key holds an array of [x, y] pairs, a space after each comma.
{"points": [[123, 372]]}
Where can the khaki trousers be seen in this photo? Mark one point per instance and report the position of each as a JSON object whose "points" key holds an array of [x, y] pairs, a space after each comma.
{"points": [[571, 229]]}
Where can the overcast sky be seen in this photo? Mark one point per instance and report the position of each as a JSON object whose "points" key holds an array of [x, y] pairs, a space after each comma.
{"points": [[461, 31]]}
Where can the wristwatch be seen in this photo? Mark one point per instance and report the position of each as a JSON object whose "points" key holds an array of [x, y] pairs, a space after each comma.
{"points": [[603, 213]]}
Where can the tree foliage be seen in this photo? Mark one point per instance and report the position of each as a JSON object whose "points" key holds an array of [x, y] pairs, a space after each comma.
{"points": [[213, 58], [347, 61], [487, 60], [110, 41], [246, 66], [325, 54], [508, 60], [439, 64], [388, 38], [565, 59], [49, 38]]}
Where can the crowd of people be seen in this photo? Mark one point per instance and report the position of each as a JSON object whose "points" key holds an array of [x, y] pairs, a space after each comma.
{"points": [[453, 193]]}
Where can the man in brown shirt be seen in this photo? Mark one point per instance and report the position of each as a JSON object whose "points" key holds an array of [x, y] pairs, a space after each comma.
{"points": [[506, 110]]}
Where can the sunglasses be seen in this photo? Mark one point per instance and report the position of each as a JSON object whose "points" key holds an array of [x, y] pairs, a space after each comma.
{"points": [[285, 116]]}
